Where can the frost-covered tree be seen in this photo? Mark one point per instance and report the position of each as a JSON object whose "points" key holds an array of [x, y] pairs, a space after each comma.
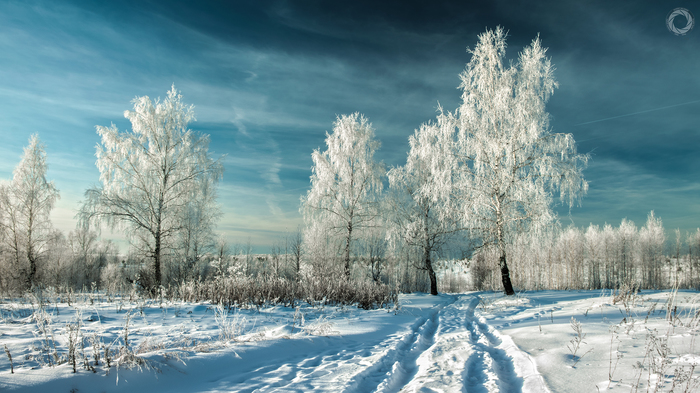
{"points": [[25, 205], [594, 249], [83, 244], [626, 240], [345, 182], [418, 217], [198, 219], [296, 241], [508, 162], [148, 175], [651, 248], [693, 240]]}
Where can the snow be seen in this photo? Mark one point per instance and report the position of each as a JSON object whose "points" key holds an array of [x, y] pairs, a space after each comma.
{"points": [[618, 345], [475, 342]]}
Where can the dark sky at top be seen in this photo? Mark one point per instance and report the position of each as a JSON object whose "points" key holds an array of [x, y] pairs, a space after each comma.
{"points": [[268, 78]]}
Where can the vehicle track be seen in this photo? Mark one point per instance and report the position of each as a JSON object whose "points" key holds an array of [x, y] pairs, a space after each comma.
{"points": [[450, 350], [398, 366]]}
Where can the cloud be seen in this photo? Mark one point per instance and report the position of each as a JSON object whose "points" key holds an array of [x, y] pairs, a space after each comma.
{"points": [[621, 189], [268, 79]]}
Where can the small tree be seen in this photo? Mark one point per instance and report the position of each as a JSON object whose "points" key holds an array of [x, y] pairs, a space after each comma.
{"points": [[593, 238], [148, 174], [651, 248], [198, 219], [693, 239], [25, 205], [373, 248], [295, 245], [507, 162], [86, 267], [222, 256], [345, 182]]}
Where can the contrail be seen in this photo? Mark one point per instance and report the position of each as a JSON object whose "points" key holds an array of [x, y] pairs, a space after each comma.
{"points": [[636, 113]]}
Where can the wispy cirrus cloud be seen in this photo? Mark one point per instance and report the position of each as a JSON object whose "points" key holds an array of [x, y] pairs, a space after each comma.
{"points": [[268, 79]]}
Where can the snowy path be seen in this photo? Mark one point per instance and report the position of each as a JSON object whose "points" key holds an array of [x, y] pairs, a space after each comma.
{"points": [[436, 344], [468, 355], [447, 350]]}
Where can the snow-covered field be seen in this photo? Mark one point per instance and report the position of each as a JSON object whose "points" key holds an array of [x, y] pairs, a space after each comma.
{"points": [[475, 342]]}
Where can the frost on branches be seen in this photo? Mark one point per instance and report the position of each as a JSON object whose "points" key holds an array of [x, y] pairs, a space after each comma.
{"points": [[419, 216], [345, 183], [151, 175], [508, 164], [25, 205]]}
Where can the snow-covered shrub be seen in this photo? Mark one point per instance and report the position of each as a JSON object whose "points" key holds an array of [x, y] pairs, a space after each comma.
{"points": [[114, 277]]}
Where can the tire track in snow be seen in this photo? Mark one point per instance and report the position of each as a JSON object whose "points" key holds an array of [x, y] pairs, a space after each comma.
{"points": [[449, 350], [469, 356], [495, 364], [480, 373], [332, 369], [515, 369], [399, 364], [442, 366], [320, 372]]}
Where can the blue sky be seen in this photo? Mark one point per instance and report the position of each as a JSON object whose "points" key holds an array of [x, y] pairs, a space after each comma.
{"points": [[268, 78]]}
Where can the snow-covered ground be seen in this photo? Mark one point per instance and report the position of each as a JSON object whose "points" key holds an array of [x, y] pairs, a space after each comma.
{"points": [[475, 342]]}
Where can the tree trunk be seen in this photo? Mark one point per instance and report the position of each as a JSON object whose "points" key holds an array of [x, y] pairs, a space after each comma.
{"points": [[426, 256], [159, 236], [32, 272], [505, 275], [30, 250], [347, 250], [431, 272], [156, 258]]}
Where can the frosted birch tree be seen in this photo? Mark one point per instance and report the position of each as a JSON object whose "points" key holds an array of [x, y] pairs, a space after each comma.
{"points": [[417, 215], [25, 205], [651, 251], [199, 217], [345, 182], [509, 164], [147, 175]]}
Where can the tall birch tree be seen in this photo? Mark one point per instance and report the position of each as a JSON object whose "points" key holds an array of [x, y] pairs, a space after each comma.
{"points": [[25, 205], [345, 182], [147, 175], [509, 163]]}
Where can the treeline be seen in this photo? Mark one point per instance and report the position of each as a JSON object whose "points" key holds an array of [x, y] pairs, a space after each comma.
{"points": [[597, 257]]}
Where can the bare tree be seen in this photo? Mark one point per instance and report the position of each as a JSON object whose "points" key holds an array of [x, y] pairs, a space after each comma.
{"points": [[507, 162], [148, 174], [83, 246], [12, 240], [693, 239], [222, 256], [25, 205], [651, 249], [593, 238], [677, 255], [295, 245], [345, 182], [276, 252], [374, 246], [249, 258]]}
